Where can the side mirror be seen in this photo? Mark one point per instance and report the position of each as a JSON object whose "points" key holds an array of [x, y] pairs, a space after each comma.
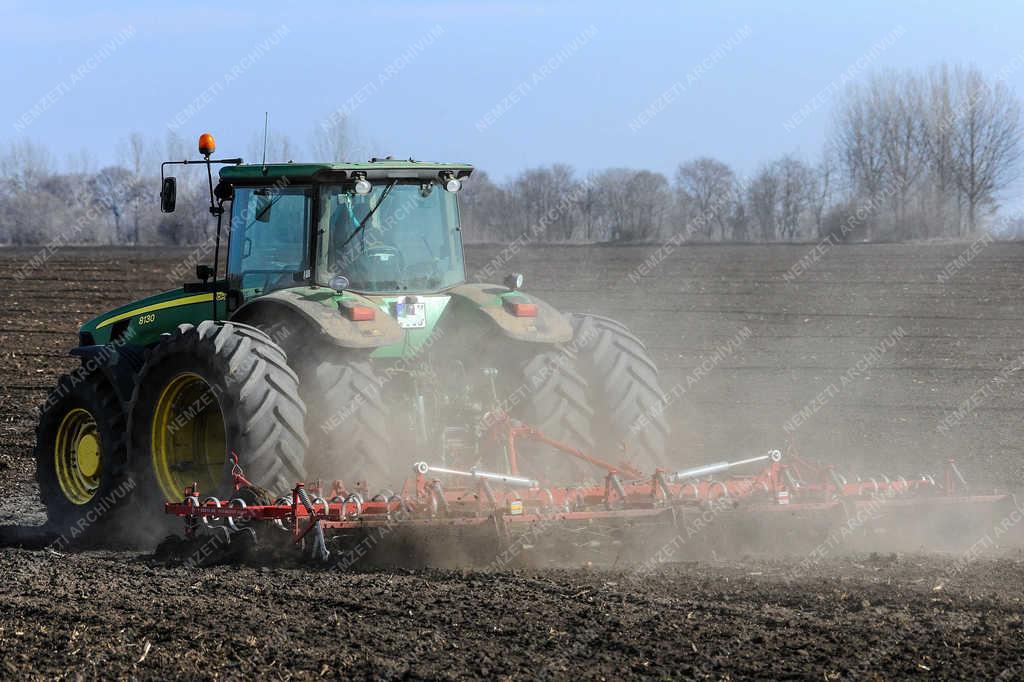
{"points": [[224, 191], [168, 195], [203, 271]]}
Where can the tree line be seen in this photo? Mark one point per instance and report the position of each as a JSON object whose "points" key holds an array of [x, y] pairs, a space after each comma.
{"points": [[908, 155]]}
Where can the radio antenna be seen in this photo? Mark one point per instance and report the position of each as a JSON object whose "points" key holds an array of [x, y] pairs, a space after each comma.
{"points": [[266, 122]]}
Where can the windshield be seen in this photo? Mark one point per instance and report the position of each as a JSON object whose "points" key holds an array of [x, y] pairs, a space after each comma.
{"points": [[411, 241], [269, 237]]}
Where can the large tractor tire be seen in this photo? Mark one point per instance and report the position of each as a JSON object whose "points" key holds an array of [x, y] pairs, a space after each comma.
{"points": [[556, 403], [629, 420], [208, 391], [80, 455], [348, 422]]}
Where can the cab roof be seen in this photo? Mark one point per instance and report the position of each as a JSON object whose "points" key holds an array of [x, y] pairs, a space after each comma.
{"points": [[375, 169]]}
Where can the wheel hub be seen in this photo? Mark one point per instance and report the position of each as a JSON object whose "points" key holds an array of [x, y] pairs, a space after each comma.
{"points": [[89, 455]]}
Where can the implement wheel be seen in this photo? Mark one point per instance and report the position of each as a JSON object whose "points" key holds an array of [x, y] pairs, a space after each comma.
{"points": [[206, 391], [80, 454]]}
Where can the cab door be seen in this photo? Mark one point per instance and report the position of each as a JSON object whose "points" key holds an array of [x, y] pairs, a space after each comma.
{"points": [[270, 240]]}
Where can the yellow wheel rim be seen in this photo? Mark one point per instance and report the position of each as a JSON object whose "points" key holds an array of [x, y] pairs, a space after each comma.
{"points": [[78, 456], [188, 439]]}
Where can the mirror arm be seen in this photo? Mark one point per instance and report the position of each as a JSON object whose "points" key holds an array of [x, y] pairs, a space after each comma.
{"points": [[189, 162], [216, 206], [216, 248]]}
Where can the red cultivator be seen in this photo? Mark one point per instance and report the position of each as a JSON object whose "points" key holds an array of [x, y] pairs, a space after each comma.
{"points": [[790, 503]]}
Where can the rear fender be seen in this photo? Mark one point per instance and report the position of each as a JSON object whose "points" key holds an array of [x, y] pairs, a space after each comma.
{"points": [[315, 311], [549, 326]]}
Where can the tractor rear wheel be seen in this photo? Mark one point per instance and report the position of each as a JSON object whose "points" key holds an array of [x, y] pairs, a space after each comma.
{"points": [[555, 403], [348, 421], [208, 391], [629, 420], [80, 455]]}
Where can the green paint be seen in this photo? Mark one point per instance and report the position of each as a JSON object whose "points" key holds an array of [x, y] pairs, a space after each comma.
{"points": [[146, 327], [306, 172]]}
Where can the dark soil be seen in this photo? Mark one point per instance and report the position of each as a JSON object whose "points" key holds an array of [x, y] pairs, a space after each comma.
{"points": [[119, 615], [107, 615]]}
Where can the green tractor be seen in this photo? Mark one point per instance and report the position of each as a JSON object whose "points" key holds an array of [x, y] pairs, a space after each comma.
{"points": [[343, 342]]}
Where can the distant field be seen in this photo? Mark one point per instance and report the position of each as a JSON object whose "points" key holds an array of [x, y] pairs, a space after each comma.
{"points": [[801, 337], [805, 334]]}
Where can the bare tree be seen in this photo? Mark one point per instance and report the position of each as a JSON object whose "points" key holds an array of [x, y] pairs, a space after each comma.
{"points": [[708, 184], [25, 163], [649, 199], [821, 191], [25, 211], [613, 203], [941, 192], [986, 140], [762, 198], [544, 201], [138, 167], [902, 115], [334, 141], [483, 208], [796, 182], [113, 189], [739, 220], [859, 139], [279, 148]]}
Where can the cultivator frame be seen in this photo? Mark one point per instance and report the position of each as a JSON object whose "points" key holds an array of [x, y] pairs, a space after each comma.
{"points": [[507, 506]]}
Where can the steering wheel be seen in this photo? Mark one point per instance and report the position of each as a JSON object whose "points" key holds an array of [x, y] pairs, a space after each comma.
{"points": [[385, 254], [424, 271], [378, 263]]}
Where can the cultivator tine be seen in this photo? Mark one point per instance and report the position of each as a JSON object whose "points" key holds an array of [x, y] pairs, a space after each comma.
{"points": [[318, 550], [791, 505]]}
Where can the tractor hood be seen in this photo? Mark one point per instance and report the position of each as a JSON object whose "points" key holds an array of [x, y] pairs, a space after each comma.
{"points": [[142, 322]]}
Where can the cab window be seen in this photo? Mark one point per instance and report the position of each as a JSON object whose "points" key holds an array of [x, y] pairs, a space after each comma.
{"points": [[269, 237]]}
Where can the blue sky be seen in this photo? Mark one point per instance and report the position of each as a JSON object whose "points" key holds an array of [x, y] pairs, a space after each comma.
{"points": [[607, 62]]}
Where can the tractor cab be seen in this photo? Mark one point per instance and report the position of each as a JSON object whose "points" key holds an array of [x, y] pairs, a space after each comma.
{"points": [[382, 227], [378, 228]]}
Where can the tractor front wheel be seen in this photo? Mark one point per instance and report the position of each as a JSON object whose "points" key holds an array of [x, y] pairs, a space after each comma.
{"points": [[80, 455]]}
